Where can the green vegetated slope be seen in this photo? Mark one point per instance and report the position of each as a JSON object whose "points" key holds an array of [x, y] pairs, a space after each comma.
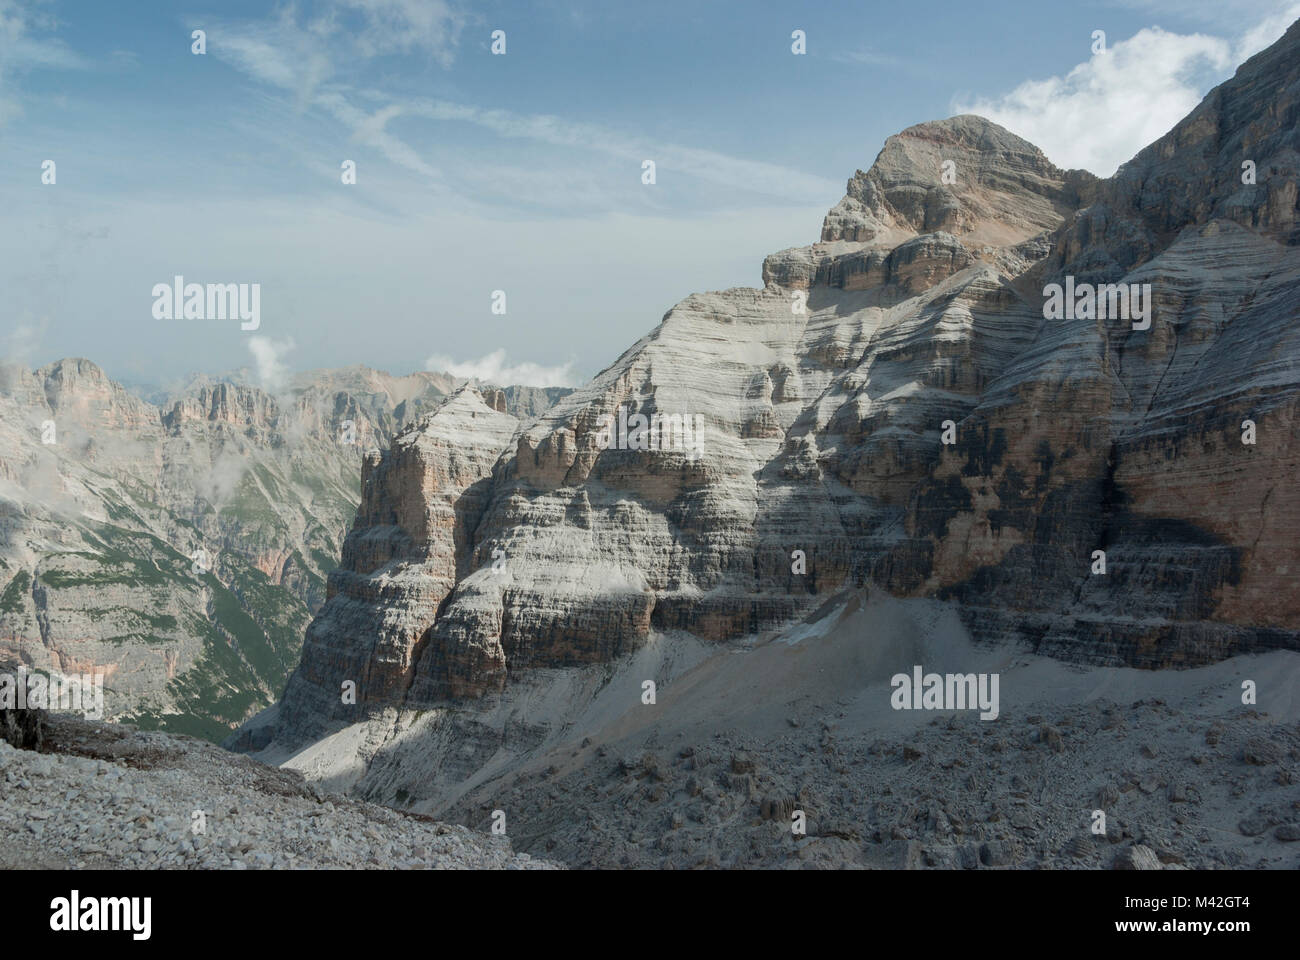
{"points": [[190, 650]]}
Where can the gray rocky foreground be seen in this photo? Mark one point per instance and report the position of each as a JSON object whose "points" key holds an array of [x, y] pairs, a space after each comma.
{"points": [[1185, 770], [111, 797], [1179, 790]]}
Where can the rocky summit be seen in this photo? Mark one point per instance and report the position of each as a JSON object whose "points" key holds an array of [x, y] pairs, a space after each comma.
{"points": [[896, 416]]}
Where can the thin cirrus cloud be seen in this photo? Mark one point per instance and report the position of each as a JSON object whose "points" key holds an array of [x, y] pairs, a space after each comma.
{"points": [[405, 26], [301, 61], [758, 177], [874, 58], [1104, 110], [25, 46], [300, 56]]}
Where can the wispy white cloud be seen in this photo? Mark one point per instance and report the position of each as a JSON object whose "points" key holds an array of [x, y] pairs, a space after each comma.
{"points": [[300, 54], [493, 368], [1267, 31], [708, 165], [368, 129], [403, 26], [279, 52], [872, 58], [305, 59], [25, 46]]}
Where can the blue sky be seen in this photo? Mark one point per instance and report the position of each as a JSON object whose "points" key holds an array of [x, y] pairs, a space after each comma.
{"points": [[519, 172]]}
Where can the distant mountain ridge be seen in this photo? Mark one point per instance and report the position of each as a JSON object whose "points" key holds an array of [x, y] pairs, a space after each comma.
{"points": [[181, 546]]}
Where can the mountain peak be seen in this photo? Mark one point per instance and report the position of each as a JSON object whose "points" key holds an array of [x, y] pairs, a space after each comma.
{"points": [[966, 176]]}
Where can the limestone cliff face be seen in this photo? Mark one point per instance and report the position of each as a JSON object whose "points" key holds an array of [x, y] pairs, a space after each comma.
{"points": [[411, 543], [819, 457], [1105, 436]]}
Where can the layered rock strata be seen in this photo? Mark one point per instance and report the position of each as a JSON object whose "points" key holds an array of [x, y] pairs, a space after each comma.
{"points": [[894, 407]]}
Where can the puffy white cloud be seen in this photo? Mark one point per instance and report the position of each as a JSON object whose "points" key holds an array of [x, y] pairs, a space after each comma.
{"points": [[493, 368], [272, 372], [1108, 108], [1104, 110]]}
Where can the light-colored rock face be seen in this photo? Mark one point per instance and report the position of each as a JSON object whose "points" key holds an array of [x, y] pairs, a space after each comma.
{"points": [[181, 547], [964, 176], [409, 547], [820, 462]]}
